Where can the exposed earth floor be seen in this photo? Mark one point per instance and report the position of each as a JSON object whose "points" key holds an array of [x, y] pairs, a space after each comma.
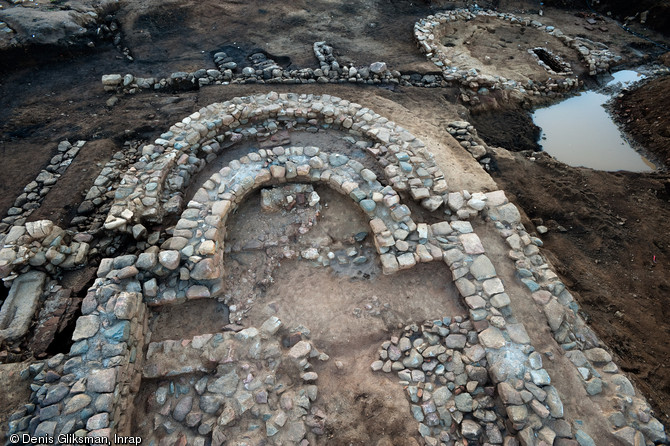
{"points": [[608, 232]]}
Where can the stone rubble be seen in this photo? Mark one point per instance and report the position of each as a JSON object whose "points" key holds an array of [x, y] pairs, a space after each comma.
{"points": [[41, 244], [443, 369], [233, 386]]}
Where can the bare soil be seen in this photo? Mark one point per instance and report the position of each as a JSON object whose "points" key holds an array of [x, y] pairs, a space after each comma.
{"points": [[497, 47], [348, 317], [16, 392], [346, 314], [644, 114], [614, 254]]}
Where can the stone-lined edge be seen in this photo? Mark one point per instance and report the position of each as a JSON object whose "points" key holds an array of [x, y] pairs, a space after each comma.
{"points": [[629, 414], [184, 150], [426, 31]]}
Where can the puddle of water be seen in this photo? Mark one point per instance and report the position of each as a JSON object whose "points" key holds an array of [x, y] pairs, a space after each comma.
{"points": [[625, 77], [580, 132]]}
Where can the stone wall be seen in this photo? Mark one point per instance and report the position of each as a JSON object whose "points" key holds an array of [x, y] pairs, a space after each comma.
{"points": [[595, 56], [89, 391], [629, 414], [232, 386], [35, 191], [263, 70], [168, 165]]}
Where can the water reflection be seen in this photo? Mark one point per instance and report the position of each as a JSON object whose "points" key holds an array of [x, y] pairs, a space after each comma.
{"points": [[580, 132]]}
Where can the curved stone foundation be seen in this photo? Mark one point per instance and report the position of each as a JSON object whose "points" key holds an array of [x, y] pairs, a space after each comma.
{"points": [[427, 32], [169, 163], [489, 357]]}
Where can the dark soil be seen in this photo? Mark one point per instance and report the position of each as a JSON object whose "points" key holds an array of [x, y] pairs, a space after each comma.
{"points": [[614, 256], [645, 115], [512, 129], [658, 16]]}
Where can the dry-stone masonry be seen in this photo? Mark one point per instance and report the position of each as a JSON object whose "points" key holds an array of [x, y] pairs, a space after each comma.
{"points": [[470, 379], [264, 70], [629, 414], [35, 191], [153, 187], [595, 56]]}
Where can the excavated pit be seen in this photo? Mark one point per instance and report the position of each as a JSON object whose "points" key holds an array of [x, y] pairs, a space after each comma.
{"points": [[214, 287]]}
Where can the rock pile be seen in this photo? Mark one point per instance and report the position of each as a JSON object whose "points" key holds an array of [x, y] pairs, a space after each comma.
{"points": [[43, 245], [228, 387], [442, 368]]}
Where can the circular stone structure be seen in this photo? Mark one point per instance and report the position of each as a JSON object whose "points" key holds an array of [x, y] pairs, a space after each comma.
{"points": [[474, 48]]}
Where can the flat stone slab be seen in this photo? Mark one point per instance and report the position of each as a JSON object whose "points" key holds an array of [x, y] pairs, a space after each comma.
{"points": [[482, 268], [471, 243], [492, 338], [18, 310]]}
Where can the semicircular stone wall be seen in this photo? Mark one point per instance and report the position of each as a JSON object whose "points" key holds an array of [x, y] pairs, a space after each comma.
{"points": [[196, 247], [90, 391], [167, 166]]}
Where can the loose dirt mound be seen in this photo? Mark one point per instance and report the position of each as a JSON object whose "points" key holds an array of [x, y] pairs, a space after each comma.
{"points": [[645, 115]]}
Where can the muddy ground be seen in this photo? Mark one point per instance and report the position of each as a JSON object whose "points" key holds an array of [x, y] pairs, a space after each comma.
{"points": [[614, 253]]}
